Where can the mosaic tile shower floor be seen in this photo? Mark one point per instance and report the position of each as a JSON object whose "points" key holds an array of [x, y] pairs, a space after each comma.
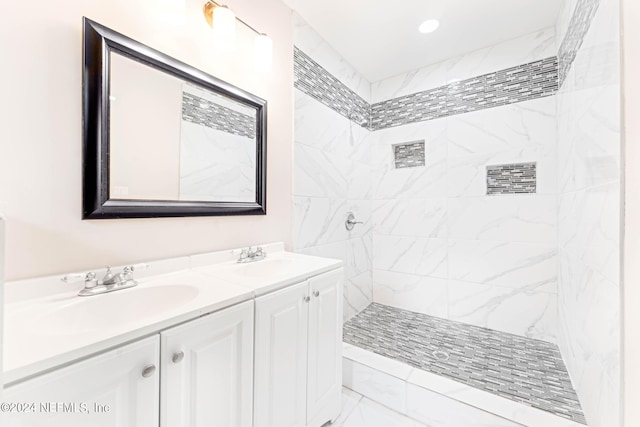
{"points": [[521, 369]]}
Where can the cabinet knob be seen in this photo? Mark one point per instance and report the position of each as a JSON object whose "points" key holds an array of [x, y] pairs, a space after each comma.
{"points": [[177, 357], [316, 294], [148, 371], [307, 299]]}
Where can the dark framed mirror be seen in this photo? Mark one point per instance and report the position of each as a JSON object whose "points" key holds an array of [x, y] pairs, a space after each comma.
{"points": [[164, 139]]}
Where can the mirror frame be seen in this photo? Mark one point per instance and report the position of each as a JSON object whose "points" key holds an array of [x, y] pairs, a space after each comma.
{"points": [[99, 41]]}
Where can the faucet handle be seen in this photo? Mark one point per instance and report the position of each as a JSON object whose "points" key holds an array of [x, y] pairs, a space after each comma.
{"points": [[129, 269], [73, 277], [76, 277], [139, 267], [135, 267], [89, 277]]}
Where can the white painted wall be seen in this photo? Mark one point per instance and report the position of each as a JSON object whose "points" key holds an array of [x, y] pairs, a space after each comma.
{"points": [[2, 251], [40, 137], [589, 215], [631, 224], [145, 117]]}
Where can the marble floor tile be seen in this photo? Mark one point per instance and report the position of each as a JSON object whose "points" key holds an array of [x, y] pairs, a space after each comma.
{"points": [[350, 399], [441, 411], [368, 413]]}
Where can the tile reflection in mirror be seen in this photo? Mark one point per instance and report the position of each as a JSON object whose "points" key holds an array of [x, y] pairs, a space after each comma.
{"points": [[174, 141]]}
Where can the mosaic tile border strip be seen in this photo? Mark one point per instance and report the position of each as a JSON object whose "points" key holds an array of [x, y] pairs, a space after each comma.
{"points": [[578, 28], [409, 155], [525, 82], [206, 113], [312, 79], [517, 368], [517, 178], [516, 84]]}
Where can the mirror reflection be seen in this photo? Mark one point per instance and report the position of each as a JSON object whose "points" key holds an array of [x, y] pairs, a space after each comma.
{"points": [[173, 141]]}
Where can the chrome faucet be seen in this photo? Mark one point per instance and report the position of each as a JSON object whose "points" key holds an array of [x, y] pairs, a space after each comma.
{"points": [[249, 255], [109, 283], [120, 279]]}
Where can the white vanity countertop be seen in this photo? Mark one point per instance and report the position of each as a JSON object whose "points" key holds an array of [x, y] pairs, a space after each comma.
{"points": [[276, 271], [59, 327]]}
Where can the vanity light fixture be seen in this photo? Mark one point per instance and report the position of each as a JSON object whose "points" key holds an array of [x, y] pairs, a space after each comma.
{"points": [[224, 28], [223, 22], [429, 26]]}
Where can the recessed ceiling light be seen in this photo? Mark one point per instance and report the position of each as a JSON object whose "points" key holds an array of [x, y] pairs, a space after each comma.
{"points": [[429, 26]]}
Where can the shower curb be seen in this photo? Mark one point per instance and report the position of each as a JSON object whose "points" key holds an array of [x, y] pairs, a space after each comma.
{"points": [[390, 382]]}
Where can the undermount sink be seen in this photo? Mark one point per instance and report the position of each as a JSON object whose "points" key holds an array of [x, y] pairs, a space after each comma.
{"points": [[266, 267], [94, 313]]}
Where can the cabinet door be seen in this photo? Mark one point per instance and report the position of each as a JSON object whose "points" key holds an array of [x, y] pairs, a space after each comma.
{"points": [[108, 390], [207, 371], [281, 358], [324, 385]]}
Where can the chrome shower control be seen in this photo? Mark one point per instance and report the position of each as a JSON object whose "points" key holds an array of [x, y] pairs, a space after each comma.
{"points": [[351, 222]]}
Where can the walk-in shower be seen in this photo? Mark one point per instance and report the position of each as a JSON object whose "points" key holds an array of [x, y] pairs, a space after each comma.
{"points": [[484, 278]]}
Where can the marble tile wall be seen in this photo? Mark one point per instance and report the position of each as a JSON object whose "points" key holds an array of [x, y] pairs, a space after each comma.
{"points": [[216, 165], [431, 241], [332, 175], [311, 43], [314, 80], [543, 265], [462, 91], [521, 50], [442, 247], [589, 204], [502, 87]]}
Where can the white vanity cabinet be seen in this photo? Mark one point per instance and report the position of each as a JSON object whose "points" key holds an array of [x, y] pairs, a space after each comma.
{"points": [[196, 374], [232, 359], [207, 370], [116, 388], [298, 354]]}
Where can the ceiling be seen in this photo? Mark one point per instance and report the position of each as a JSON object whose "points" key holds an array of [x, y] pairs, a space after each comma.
{"points": [[381, 39]]}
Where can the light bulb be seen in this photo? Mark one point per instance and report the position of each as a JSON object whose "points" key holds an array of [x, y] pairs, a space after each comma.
{"points": [[224, 28], [429, 26], [173, 11], [263, 53]]}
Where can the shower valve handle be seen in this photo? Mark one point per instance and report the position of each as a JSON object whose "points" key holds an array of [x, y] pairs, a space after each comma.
{"points": [[351, 222]]}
